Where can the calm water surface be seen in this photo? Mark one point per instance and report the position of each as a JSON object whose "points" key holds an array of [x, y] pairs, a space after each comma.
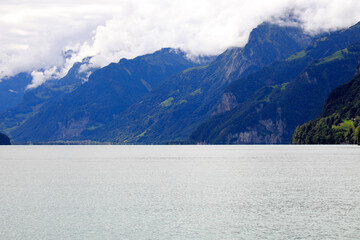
{"points": [[179, 192]]}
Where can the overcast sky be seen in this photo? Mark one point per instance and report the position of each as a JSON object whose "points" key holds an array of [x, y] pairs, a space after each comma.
{"points": [[34, 34]]}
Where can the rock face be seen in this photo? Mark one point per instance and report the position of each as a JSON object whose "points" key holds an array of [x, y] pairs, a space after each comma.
{"points": [[4, 140], [72, 128], [227, 103], [265, 131]]}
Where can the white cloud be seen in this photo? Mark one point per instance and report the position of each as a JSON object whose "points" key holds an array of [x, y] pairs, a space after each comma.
{"points": [[39, 77], [34, 34]]}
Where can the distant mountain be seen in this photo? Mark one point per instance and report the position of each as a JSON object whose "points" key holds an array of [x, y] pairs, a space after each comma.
{"points": [[108, 92], [256, 94], [339, 122], [4, 140], [266, 107], [12, 90], [173, 110], [36, 99]]}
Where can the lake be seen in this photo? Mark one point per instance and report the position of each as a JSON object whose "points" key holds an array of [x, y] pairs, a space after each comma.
{"points": [[179, 192]]}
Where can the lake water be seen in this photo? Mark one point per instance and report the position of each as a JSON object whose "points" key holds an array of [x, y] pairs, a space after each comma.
{"points": [[179, 192]]}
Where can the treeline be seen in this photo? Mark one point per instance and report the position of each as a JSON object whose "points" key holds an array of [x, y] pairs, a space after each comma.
{"points": [[328, 130]]}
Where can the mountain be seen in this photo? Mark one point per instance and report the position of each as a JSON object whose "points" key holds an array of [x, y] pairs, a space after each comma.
{"points": [[12, 90], [36, 99], [108, 92], [173, 110], [4, 140], [339, 122], [266, 107]]}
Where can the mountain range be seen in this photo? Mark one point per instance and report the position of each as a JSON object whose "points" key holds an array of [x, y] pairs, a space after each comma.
{"points": [[108, 92], [255, 94], [267, 106], [172, 111]]}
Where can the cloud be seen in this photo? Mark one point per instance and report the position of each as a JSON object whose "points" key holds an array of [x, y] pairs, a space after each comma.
{"points": [[35, 35], [39, 77]]}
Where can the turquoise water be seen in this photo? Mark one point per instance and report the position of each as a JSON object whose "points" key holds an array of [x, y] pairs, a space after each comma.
{"points": [[179, 192]]}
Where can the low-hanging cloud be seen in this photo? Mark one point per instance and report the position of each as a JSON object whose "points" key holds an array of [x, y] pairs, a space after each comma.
{"points": [[34, 36]]}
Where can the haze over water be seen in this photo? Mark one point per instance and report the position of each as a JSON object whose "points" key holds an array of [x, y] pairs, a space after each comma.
{"points": [[180, 192]]}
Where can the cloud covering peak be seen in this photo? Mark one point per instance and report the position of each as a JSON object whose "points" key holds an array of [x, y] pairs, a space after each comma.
{"points": [[36, 35]]}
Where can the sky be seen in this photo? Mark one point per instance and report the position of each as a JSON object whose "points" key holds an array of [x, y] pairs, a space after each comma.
{"points": [[36, 36]]}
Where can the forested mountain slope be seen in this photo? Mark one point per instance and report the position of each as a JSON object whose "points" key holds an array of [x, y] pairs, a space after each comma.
{"points": [[172, 111], [339, 122], [108, 92], [290, 93]]}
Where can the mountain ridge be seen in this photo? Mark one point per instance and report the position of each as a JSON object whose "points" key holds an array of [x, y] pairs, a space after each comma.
{"points": [[163, 97], [109, 91], [266, 115], [191, 95], [35, 99]]}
